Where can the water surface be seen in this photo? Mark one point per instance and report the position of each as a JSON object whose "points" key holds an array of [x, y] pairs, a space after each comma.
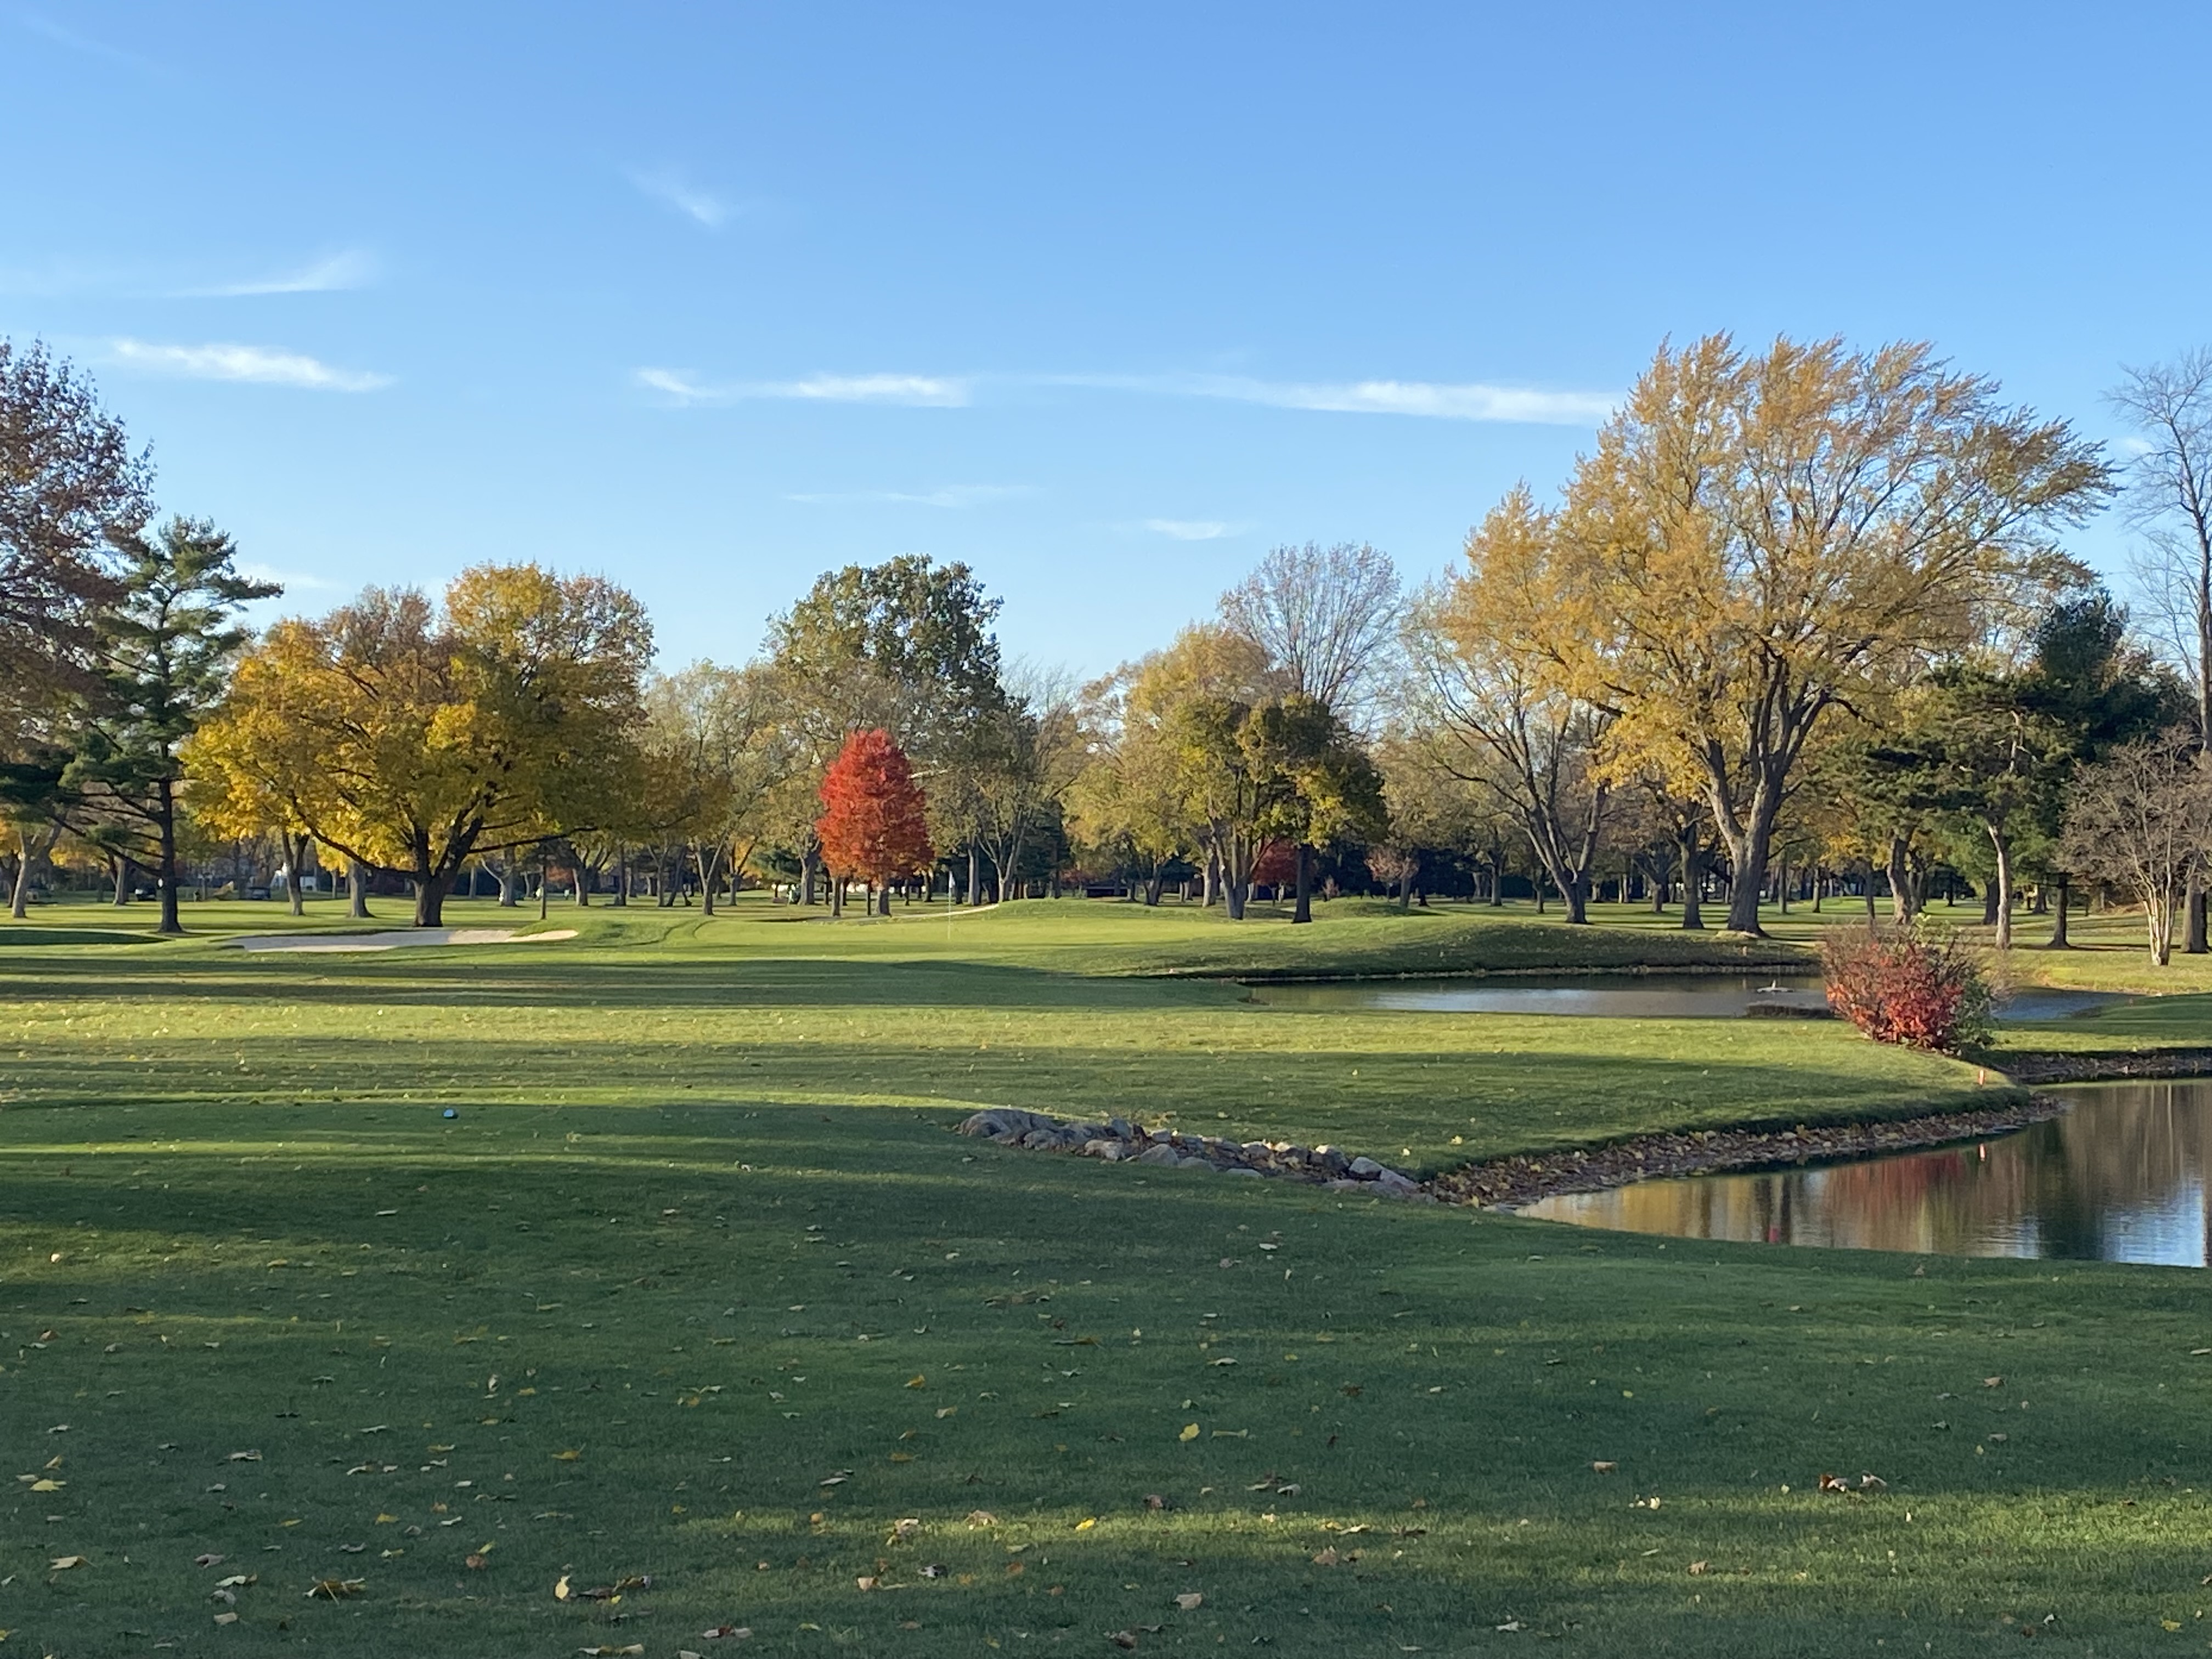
{"points": [[1627, 996], [2120, 1177]]}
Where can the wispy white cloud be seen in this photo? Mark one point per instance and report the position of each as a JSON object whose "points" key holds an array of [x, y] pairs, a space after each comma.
{"points": [[925, 391], [291, 580], [1432, 399], [351, 268], [1426, 399], [936, 391], [258, 364], [47, 29], [949, 495], [670, 189], [1194, 530]]}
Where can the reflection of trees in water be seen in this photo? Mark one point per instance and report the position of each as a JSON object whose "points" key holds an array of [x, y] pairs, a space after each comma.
{"points": [[2127, 1153]]}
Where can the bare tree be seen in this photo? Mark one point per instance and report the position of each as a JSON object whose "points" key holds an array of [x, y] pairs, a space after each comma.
{"points": [[2169, 498], [2141, 820], [1326, 618], [1499, 723]]}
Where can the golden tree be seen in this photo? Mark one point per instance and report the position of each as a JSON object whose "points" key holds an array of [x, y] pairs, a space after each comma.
{"points": [[1759, 540], [411, 737]]}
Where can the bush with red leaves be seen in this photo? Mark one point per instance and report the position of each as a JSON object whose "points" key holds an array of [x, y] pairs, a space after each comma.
{"points": [[1919, 986]]}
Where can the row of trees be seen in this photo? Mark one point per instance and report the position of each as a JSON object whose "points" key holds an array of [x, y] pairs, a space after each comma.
{"points": [[1804, 609]]}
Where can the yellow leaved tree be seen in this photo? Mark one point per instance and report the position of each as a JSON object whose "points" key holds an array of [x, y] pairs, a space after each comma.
{"points": [[411, 736], [1759, 540]]}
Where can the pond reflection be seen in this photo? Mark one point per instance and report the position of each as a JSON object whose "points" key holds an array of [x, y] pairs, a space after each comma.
{"points": [[1625, 996], [2119, 1177], [1619, 996]]}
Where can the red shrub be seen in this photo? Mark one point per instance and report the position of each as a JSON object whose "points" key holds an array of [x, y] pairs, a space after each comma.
{"points": [[1916, 986], [1277, 865]]}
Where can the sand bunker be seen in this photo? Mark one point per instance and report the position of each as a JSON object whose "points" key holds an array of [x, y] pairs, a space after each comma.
{"points": [[398, 940]]}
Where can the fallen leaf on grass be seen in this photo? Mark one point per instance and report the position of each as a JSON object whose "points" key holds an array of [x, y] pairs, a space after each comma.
{"points": [[1511, 1624], [1697, 1568], [567, 1457], [1154, 1501], [1328, 1557], [917, 1381], [982, 1518], [64, 1563], [905, 1529], [1087, 1524], [606, 1650], [243, 1457], [336, 1589], [48, 1485], [207, 1560], [475, 1563], [237, 1580], [1190, 1601], [1993, 1381], [734, 1632], [1605, 1466], [1189, 1432], [1122, 1638]]}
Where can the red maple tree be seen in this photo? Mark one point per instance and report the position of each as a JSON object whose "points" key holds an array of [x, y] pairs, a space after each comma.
{"points": [[873, 827]]}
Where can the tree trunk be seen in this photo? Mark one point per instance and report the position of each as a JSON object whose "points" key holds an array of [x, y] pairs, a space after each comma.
{"points": [[295, 850], [2193, 941], [429, 899], [356, 891], [2157, 918], [1904, 892], [1694, 878], [836, 896], [122, 867], [1781, 883], [164, 877], [1302, 909], [975, 878], [620, 900], [1747, 856], [1576, 895], [504, 871], [1990, 903], [2058, 939], [710, 875], [1210, 892], [1406, 892], [35, 854], [2002, 886]]}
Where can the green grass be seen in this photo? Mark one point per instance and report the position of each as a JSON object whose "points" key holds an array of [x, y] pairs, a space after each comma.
{"points": [[701, 1166]]}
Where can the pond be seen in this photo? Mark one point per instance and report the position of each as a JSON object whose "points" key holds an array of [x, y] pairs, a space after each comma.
{"points": [[2121, 1176], [1622, 996], [1627, 996]]}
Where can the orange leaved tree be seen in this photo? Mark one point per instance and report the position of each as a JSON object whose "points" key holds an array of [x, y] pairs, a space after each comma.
{"points": [[873, 824]]}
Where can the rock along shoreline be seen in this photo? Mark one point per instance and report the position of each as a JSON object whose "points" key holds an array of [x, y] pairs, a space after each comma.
{"points": [[1508, 1183]]}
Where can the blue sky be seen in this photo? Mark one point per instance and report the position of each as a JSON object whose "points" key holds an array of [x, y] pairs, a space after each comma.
{"points": [[1103, 302]]}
